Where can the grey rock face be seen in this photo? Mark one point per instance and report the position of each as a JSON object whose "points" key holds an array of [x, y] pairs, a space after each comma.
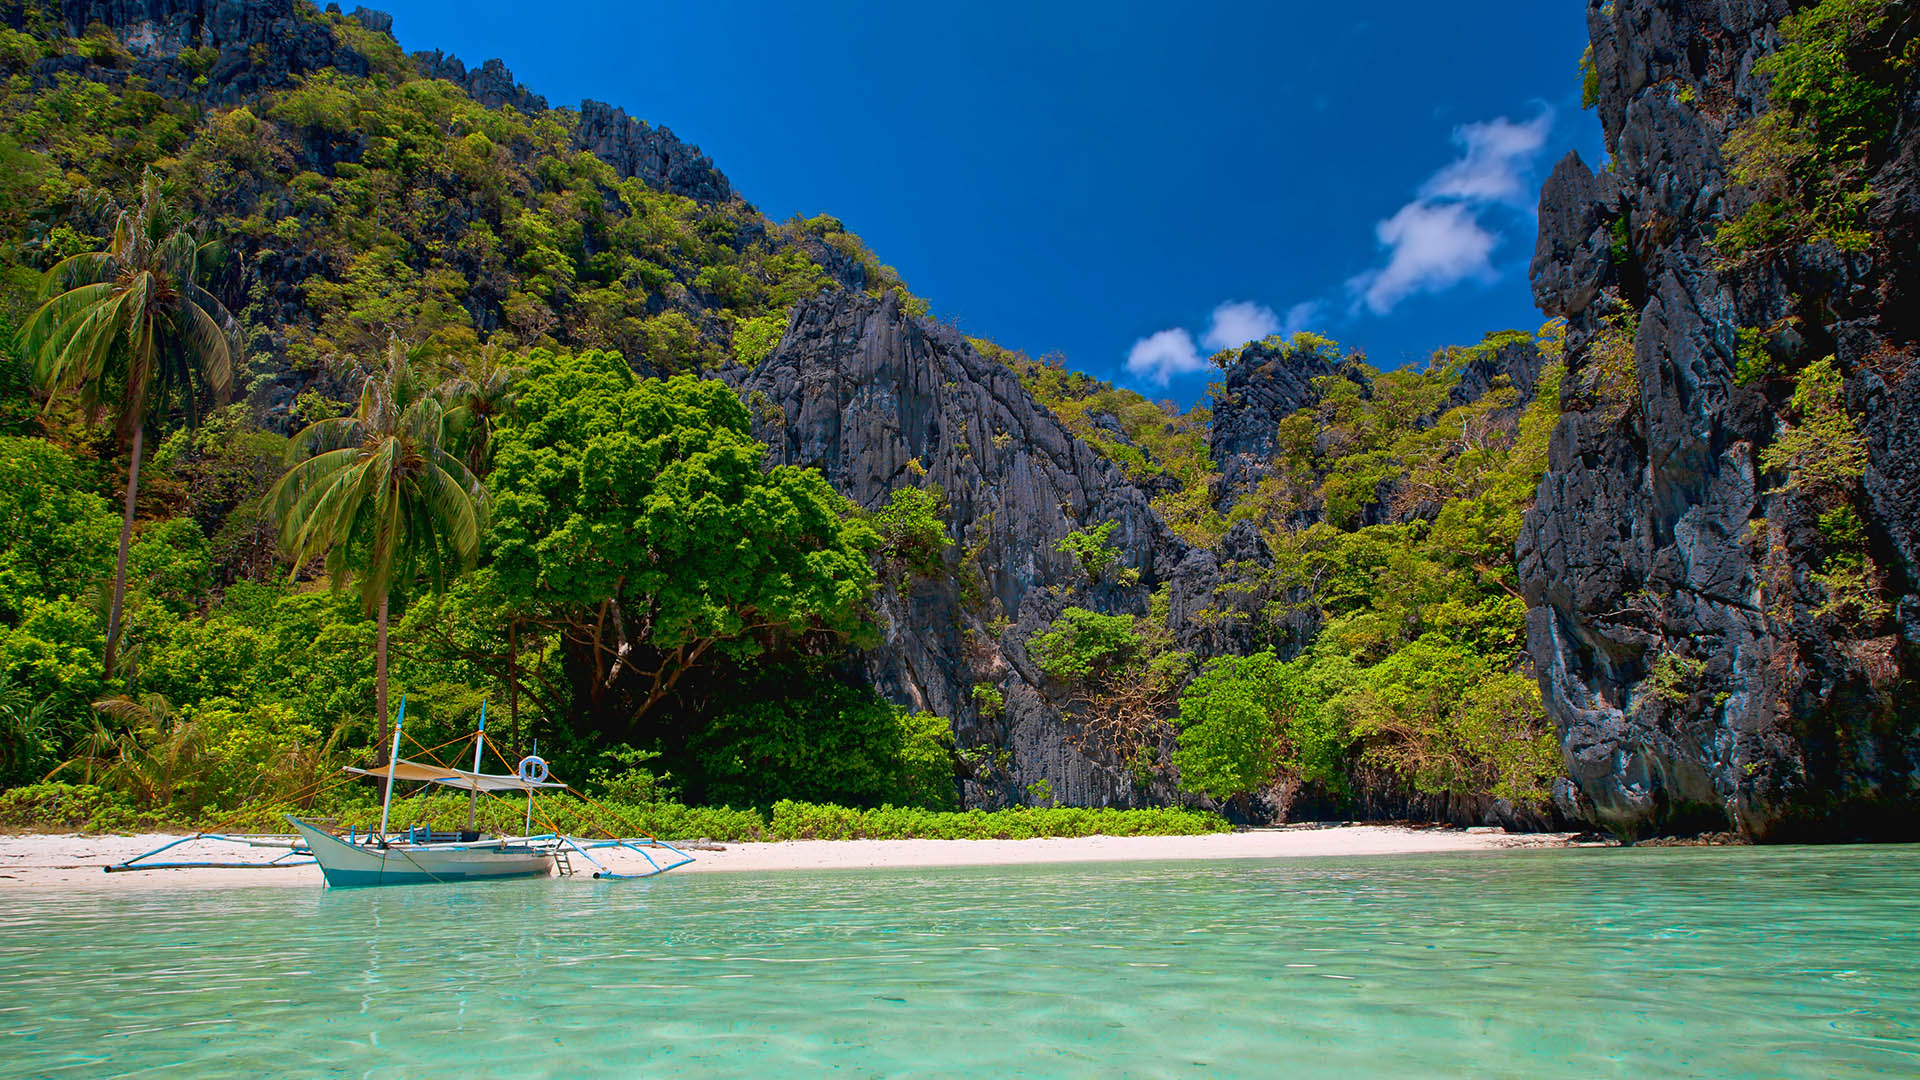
{"points": [[490, 84], [1518, 362], [1674, 620], [878, 400], [155, 31], [1264, 386], [651, 154], [291, 45]]}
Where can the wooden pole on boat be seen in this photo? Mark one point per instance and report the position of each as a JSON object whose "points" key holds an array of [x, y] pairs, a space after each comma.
{"points": [[528, 827], [473, 795], [387, 803]]}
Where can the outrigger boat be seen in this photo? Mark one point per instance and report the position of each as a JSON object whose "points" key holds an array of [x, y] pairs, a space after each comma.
{"points": [[419, 855]]}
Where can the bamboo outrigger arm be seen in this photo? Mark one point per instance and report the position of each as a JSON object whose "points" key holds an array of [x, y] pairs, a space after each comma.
{"points": [[297, 854]]}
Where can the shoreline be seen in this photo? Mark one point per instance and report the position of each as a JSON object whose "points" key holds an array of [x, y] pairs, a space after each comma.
{"points": [[74, 862]]}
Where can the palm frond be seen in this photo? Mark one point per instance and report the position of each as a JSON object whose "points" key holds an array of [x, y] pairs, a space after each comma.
{"points": [[213, 344]]}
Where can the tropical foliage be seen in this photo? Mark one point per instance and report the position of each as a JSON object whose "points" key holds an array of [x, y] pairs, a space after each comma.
{"points": [[128, 330], [1834, 87], [376, 495], [470, 368]]}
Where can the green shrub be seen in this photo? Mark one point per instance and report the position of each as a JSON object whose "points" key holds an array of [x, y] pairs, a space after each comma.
{"points": [[1834, 98], [789, 820], [1754, 362], [1093, 550], [1229, 742], [626, 778], [754, 339], [1674, 677], [913, 535], [76, 808], [989, 700], [1082, 644], [805, 821], [1824, 453], [1612, 376]]}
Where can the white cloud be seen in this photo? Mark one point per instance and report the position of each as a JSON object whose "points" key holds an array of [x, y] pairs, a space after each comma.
{"points": [[1434, 246], [1442, 238], [1163, 355], [1237, 322], [1301, 316], [1493, 167]]}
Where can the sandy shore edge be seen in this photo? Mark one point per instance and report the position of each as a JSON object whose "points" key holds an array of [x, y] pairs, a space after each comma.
{"points": [[75, 862]]}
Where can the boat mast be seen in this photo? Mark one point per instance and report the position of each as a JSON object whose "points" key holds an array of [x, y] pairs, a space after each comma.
{"points": [[393, 760], [527, 829], [473, 795]]}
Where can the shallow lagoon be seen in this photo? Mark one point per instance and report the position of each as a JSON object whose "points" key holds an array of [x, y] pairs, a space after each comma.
{"points": [[1607, 962]]}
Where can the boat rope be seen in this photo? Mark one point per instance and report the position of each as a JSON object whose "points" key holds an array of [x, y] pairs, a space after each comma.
{"points": [[596, 804]]}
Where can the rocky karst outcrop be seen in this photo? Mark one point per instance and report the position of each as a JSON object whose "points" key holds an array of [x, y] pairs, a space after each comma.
{"points": [[653, 155], [490, 84], [1683, 621], [258, 44], [1696, 667], [263, 45], [877, 399], [1265, 385]]}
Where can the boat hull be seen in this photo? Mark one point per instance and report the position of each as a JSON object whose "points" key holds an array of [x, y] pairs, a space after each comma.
{"points": [[357, 865]]}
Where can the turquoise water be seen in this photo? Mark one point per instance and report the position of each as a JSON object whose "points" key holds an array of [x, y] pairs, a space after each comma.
{"points": [[1701, 962]]}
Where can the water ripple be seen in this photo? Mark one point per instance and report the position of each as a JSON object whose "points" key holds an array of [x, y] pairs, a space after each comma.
{"points": [[1717, 962]]}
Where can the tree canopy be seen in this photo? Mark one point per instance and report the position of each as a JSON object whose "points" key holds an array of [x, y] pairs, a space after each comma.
{"points": [[639, 520]]}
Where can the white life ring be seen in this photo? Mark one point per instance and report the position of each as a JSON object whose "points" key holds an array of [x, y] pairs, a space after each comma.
{"points": [[533, 770]]}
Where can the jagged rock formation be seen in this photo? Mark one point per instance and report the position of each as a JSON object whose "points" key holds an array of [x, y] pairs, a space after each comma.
{"points": [[490, 84], [1677, 631], [1518, 361], [877, 399], [1264, 386], [267, 45], [652, 154], [261, 44]]}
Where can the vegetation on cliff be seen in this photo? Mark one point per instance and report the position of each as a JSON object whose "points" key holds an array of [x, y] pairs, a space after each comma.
{"points": [[461, 304]]}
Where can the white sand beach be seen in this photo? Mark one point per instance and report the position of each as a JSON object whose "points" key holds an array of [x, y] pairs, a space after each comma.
{"points": [[76, 862]]}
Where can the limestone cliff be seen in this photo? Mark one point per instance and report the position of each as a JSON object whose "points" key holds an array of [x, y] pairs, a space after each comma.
{"points": [[876, 399], [1699, 671]]}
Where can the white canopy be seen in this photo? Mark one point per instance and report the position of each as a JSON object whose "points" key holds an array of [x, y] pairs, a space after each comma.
{"points": [[454, 778]]}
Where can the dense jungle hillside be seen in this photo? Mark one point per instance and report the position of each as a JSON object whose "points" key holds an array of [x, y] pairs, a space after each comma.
{"points": [[730, 520]]}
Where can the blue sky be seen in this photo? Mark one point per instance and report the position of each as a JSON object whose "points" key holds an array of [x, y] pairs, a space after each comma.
{"points": [[1132, 185]]}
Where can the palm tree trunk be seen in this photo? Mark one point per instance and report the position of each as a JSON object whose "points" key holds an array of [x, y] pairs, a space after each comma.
{"points": [[380, 685], [126, 539]]}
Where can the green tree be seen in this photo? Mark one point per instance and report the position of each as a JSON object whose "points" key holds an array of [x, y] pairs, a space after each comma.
{"points": [[754, 339], [913, 536], [1230, 740], [1824, 453], [129, 330], [638, 520], [1084, 645], [1092, 549], [53, 531], [377, 493]]}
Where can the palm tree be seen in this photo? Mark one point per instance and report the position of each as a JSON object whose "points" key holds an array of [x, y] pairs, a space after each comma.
{"points": [[130, 330], [477, 396], [378, 495], [157, 753]]}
